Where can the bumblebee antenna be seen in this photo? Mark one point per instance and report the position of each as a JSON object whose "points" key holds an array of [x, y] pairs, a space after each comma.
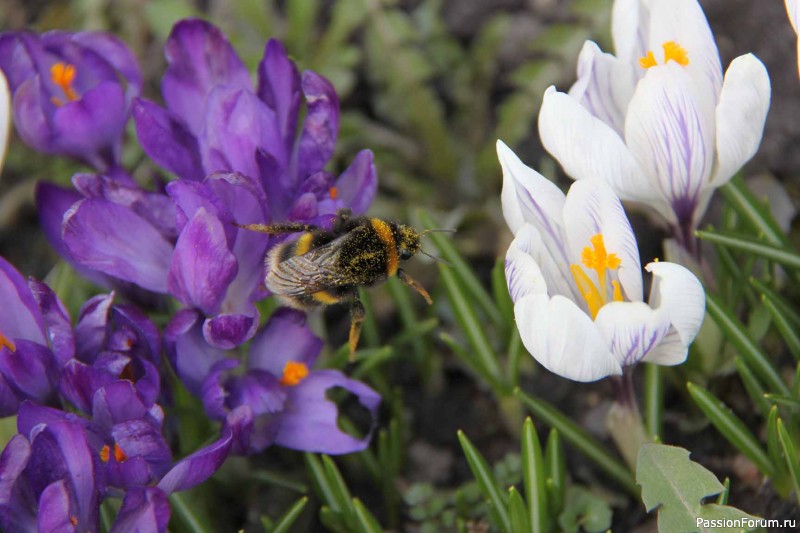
{"points": [[425, 232], [437, 259]]}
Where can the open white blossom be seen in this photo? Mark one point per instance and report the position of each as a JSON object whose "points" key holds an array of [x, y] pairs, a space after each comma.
{"points": [[574, 275], [657, 121]]}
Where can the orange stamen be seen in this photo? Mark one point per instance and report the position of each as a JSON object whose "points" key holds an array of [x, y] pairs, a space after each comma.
{"points": [[334, 193], [63, 74], [119, 455], [8, 343], [73, 520], [293, 373], [597, 258], [105, 453], [649, 60]]}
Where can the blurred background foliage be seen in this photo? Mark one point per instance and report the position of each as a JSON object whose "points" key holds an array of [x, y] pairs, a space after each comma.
{"points": [[429, 85]]}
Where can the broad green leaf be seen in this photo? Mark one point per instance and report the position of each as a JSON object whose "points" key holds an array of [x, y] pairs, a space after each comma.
{"points": [[584, 511], [676, 486]]}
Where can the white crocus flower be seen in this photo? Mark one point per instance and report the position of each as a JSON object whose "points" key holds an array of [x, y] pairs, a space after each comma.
{"points": [[657, 121], [574, 275], [5, 118]]}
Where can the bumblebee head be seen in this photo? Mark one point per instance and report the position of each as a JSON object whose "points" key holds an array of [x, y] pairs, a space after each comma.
{"points": [[407, 242]]}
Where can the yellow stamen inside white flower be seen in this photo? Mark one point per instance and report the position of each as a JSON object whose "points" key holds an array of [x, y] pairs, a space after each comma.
{"points": [[672, 52], [595, 257]]}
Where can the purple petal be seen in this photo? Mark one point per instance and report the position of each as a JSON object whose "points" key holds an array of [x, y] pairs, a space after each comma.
{"points": [[190, 196], [57, 321], [357, 185], [118, 242], [240, 422], [94, 124], [284, 338], [30, 118], [200, 58], [191, 356], [166, 140], [80, 381], [156, 208], [304, 208], [54, 510], [321, 124], [15, 515], [60, 451], [279, 88], [258, 389], [148, 340], [235, 126], [31, 371], [198, 467], [202, 265], [19, 54], [20, 317], [52, 202], [92, 326], [117, 54], [143, 509], [308, 422], [117, 402], [229, 331], [148, 455], [212, 392]]}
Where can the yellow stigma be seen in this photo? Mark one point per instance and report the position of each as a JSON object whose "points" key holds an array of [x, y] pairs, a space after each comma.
{"points": [[63, 74], [293, 373], [672, 52], [595, 257], [8, 343]]}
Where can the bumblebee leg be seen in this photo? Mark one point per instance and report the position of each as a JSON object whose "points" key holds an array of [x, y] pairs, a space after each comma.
{"points": [[286, 227], [411, 282], [357, 316]]}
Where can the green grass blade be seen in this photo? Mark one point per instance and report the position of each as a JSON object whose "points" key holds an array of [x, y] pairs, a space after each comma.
{"points": [[789, 401], [517, 512], [365, 520], [790, 453], [556, 465], [534, 477], [288, 518], [408, 315], [653, 400], [781, 479], [320, 481], [483, 475], [752, 385], [787, 257], [463, 271], [582, 440], [188, 517], [341, 494], [737, 335], [784, 326], [722, 499], [785, 308], [473, 329], [500, 291], [754, 212], [731, 427]]}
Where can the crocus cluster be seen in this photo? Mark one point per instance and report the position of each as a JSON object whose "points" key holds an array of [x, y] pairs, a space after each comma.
{"points": [[658, 121], [88, 397]]}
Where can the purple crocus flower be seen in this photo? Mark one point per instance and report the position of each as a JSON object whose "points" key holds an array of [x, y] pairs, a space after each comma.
{"points": [[55, 472], [285, 400], [215, 120], [71, 93], [36, 340]]}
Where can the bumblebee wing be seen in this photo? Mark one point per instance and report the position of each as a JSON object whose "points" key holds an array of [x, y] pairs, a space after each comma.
{"points": [[314, 271]]}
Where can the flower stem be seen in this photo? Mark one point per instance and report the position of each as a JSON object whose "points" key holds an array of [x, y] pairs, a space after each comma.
{"points": [[624, 422]]}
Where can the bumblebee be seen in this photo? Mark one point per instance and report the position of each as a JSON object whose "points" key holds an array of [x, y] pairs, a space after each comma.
{"points": [[324, 267]]}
